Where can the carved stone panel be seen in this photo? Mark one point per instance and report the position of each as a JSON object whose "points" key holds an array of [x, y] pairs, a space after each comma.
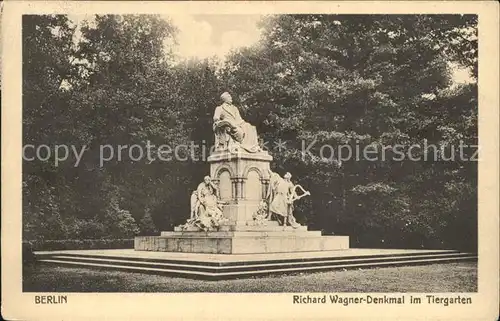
{"points": [[225, 186], [253, 186]]}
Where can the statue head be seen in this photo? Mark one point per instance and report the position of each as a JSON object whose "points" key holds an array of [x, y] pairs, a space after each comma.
{"points": [[207, 179], [287, 176], [226, 97]]}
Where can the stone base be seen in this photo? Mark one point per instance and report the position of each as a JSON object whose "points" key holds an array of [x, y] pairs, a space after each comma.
{"points": [[241, 242], [222, 266]]}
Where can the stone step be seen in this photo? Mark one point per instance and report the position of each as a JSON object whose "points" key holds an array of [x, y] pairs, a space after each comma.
{"points": [[245, 266], [250, 223], [247, 226], [188, 269], [288, 232], [234, 260], [266, 228]]}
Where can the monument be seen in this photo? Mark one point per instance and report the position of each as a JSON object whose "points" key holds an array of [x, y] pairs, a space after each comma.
{"points": [[242, 207]]}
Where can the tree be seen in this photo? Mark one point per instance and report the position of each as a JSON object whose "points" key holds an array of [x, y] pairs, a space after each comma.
{"points": [[122, 90], [47, 57], [119, 222], [147, 225]]}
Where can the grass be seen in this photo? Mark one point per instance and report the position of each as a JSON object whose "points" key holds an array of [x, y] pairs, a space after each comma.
{"points": [[450, 277]]}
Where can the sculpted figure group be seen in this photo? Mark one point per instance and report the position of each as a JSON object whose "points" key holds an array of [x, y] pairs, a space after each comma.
{"points": [[233, 134], [206, 208]]}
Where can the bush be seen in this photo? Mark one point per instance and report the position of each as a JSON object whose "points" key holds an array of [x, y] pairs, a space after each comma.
{"points": [[120, 222], [28, 256], [147, 225], [87, 244], [86, 228]]}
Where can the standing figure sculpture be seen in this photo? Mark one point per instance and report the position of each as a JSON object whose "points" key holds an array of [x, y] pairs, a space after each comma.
{"points": [[206, 209], [231, 131], [281, 195]]}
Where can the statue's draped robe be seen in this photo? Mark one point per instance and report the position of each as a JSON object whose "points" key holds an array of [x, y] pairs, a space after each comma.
{"points": [[195, 204], [228, 125], [212, 206], [205, 198], [279, 194], [206, 210]]}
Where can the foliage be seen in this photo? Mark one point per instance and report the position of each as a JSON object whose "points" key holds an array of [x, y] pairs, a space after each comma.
{"points": [[359, 81], [120, 222], [147, 225], [80, 244]]}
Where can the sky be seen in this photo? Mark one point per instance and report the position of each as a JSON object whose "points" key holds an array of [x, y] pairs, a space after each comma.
{"points": [[203, 36]]}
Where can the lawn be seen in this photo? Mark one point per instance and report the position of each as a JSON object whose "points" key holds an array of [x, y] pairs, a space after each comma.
{"points": [[450, 277]]}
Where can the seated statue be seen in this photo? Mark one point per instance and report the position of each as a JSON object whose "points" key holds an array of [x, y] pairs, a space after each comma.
{"points": [[231, 131], [281, 195]]}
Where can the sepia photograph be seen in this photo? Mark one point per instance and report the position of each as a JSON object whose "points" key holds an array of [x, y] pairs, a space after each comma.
{"points": [[331, 156]]}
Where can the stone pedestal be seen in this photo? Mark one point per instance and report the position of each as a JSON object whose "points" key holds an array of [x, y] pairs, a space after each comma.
{"points": [[242, 180], [241, 242], [243, 239]]}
